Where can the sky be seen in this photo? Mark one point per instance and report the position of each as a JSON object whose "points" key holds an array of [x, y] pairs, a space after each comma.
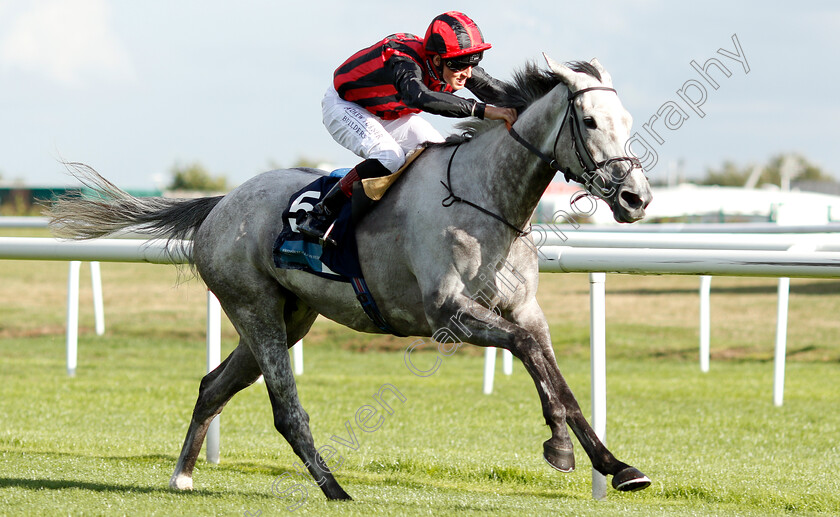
{"points": [[136, 88]]}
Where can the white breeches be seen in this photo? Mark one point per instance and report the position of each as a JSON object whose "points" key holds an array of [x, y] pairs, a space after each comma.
{"points": [[369, 136]]}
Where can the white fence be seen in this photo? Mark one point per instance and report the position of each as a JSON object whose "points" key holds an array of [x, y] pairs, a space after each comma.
{"points": [[767, 259], [23, 222], [632, 250]]}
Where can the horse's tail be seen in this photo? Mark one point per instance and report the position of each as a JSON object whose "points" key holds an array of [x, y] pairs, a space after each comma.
{"points": [[110, 209]]}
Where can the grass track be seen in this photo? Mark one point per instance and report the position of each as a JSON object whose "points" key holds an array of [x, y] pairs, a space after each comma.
{"points": [[105, 442]]}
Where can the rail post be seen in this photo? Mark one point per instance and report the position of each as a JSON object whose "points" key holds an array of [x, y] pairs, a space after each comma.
{"points": [[598, 362], [705, 321], [214, 357], [72, 337]]}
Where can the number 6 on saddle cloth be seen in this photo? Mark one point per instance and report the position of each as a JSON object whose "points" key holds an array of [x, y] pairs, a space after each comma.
{"points": [[294, 250]]}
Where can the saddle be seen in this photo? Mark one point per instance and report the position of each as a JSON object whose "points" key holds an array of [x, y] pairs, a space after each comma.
{"points": [[375, 188]]}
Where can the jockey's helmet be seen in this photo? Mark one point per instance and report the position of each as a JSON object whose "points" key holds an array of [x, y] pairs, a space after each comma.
{"points": [[456, 39]]}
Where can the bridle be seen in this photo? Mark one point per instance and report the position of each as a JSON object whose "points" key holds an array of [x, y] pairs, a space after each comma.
{"points": [[587, 162]]}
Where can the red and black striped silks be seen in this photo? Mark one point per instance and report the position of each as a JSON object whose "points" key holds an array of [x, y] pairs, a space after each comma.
{"points": [[368, 79]]}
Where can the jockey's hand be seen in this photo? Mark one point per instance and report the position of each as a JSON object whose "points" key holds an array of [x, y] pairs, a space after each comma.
{"points": [[497, 113]]}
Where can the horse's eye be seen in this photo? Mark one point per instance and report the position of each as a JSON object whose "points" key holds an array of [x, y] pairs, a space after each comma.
{"points": [[589, 122]]}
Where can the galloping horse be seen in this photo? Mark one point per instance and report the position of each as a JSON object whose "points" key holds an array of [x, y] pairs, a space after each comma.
{"points": [[421, 260]]}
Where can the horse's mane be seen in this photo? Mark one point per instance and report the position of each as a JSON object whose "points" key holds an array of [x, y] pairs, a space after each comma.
{"points": [[527, 86]]}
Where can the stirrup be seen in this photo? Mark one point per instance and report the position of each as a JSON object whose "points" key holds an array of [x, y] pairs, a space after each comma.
{"points": [[310, 227], [326, 239], [319, 221]]}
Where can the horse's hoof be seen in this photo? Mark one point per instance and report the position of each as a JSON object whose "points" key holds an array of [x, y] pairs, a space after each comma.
{"points": [[560, 459], [629, 480], [181, 482]]}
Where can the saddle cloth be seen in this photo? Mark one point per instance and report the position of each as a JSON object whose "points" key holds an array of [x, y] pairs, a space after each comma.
{"points": [[294, 250]]}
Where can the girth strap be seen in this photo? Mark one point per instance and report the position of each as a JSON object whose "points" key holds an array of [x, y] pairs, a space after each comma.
{"points": [[368, 304]]}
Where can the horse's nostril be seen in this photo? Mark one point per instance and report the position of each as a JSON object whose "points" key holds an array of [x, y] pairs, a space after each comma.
{"points": [[632, 200]]}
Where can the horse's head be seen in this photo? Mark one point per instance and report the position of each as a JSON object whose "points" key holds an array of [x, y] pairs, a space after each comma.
{"points": [[600, 128]]}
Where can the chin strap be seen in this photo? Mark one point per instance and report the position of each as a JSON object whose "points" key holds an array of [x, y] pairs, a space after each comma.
{"points": [[435, 72]]}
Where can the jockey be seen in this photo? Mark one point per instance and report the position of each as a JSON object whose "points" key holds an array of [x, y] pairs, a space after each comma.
{"points": [[373, 104]]}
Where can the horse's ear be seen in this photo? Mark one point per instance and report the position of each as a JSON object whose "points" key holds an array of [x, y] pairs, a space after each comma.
{"points": [[568, 75], [606, 78]]}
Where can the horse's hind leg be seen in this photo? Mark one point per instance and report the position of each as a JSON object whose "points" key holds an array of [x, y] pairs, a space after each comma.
{"points": [[261, 314], [235, 373]]}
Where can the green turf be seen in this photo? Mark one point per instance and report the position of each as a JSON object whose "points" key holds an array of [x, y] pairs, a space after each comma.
{"points": [[106, 441]]}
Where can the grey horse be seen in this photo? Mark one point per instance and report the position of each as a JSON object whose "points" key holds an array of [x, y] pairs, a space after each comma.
{"points": [[425, 263]]}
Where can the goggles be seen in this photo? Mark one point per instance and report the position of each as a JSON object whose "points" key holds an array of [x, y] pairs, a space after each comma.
{"points": [[456, 64]]}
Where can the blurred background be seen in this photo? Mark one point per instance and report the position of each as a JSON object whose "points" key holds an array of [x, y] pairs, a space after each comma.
{"points": [[159, 95]]}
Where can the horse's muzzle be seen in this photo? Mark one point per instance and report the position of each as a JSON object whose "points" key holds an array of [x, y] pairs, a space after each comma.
{"points": [[631, 204]]}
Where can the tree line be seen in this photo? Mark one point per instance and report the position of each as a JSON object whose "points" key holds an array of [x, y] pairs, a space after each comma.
{"points": [[792, 166], [730, 174]]}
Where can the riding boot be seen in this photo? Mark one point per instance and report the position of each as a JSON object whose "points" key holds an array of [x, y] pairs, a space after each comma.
{"points": [[318, 221]]}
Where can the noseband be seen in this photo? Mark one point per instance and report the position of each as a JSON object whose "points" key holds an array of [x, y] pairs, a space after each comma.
{"points": [[587, 162]]}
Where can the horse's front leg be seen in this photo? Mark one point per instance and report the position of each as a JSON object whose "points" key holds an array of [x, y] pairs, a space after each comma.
{"points": [[538, 359], [532, 345], [625, 478]]}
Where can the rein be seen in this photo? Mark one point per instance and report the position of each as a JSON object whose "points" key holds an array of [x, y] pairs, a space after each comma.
{"points": [[451, 199], [578, 145]]}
